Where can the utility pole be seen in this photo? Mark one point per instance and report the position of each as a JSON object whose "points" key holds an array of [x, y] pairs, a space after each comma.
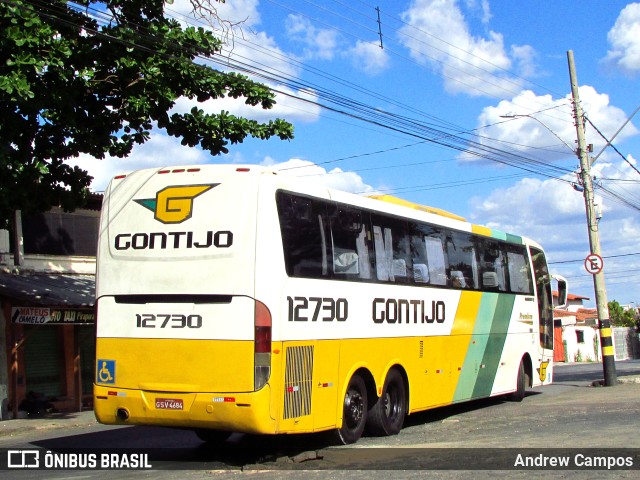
{"points": [[604, 325]]}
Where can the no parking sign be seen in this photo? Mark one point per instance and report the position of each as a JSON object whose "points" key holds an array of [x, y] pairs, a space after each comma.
{"points": [[593, 264]]}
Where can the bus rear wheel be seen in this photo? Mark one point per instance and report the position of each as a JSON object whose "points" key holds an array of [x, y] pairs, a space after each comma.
{"points": [[386, 416], [354, 411]]}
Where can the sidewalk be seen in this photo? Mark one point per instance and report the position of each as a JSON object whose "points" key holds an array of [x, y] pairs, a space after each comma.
{"points": [[47, 422], [625, 379]]}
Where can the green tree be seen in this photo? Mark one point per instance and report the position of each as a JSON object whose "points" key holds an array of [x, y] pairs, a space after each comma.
{"points": [[620, 317], [94, 77]]}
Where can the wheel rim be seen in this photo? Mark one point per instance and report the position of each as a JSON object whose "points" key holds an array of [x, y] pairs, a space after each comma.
{"points": [[354, 408], [390, 403]]}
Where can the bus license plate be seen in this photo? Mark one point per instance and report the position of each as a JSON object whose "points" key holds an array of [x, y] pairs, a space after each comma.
{"points": [[169, 404]]}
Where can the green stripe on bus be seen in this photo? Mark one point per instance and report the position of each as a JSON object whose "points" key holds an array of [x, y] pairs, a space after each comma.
{"points": [[514, 239], [476, 349], [495, 344], [498, 235]]}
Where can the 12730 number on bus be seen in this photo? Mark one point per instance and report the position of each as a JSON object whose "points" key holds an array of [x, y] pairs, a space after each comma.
{"points": [[312, 309], [167, 320]]}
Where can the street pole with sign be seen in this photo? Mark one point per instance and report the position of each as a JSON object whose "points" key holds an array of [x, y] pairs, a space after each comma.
{"points": [[593, 263]]}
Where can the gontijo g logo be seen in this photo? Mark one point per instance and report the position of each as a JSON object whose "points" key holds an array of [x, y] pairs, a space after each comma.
{"points": [[174, 204]]}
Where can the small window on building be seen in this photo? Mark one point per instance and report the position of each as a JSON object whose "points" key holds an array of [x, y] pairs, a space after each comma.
{"points": [[580, 336]]}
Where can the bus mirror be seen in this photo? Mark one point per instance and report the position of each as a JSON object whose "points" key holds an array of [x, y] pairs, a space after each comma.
{"points": [[562, 291]]}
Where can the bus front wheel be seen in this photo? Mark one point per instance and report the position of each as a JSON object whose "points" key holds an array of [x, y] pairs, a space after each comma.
{"points": [[386, 416], [354, 412], [521, 385]]}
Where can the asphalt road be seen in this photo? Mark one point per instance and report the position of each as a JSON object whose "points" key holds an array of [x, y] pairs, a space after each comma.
{"points": [[570, 414]]}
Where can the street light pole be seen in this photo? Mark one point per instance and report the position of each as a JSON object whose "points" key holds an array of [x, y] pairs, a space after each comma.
{"points": [[604, 325], [523, 115]]}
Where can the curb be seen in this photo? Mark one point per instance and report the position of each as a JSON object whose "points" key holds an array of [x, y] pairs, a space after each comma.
{"points": [[69, 420], [621, 380]]}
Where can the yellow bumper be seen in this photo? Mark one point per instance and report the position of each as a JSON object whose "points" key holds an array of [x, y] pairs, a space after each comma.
{"points": [[235, 412]]}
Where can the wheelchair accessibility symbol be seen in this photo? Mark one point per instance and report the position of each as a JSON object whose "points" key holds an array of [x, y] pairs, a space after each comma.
{"points": [[106, 371]]}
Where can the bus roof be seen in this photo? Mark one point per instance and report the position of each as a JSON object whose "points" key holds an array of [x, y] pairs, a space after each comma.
{"points": [[417, 206], [388, 199]]}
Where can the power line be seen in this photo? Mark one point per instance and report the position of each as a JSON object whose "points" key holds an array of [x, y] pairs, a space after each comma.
{"points": [[456, 139], [392, 51], [612, 145], [582, 259]]}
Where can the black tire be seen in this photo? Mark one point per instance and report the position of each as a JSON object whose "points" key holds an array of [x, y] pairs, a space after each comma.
{"points": [[386, 416], [521, 385], [354, 412], [212, 436]]}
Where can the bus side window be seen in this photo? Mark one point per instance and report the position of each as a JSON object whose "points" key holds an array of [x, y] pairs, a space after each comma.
{"points": [[492, 265], [392, 250], [519, 272], [349, 241], [545, 298], [419, 257], [427, 255], [383, 253], [303, 226], [463, 264]]}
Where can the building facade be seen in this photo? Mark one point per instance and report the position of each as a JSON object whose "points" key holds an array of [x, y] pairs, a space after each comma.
{"points": [[47, 316], [577, 338]]}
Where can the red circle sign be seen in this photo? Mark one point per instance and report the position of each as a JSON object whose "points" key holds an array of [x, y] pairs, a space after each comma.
{"points": [[593, 264]]}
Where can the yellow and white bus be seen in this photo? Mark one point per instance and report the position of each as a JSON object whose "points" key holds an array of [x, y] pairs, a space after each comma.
{"points": [[234, 299]]}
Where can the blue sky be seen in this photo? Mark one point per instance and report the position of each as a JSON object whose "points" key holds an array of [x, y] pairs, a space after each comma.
{"points": [[463, 73]]}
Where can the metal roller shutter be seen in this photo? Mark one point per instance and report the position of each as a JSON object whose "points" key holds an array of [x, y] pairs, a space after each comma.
{"points": [[43, 361]]}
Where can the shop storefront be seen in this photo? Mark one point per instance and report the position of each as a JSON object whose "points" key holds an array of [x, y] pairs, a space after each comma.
{"points": [[49, 326]]}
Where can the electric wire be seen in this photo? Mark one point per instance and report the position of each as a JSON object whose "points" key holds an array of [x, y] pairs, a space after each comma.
{"points": [[401, 124]]}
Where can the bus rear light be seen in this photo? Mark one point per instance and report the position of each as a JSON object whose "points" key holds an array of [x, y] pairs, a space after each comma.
{"points": [[179, 170], [262, 324], [262, 345], [263, 340]]}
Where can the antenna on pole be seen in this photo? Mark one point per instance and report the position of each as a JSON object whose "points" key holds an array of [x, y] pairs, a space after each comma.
{"points": [[379, 27]]}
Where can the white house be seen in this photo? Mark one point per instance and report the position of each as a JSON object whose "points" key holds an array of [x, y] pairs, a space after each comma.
{"points": [[577, 338]]}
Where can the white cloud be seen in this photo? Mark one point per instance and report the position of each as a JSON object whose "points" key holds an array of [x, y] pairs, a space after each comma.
{"points": [[550, 211], [553, 214], [552, 135], [368, 57], [293, 105], [255, 50], [323, 44], [159, 150], [525, 58], [529, 206], [438, 35], [484, 8], [242, 13], [624, 39], [335, 178], [318, 43]]}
